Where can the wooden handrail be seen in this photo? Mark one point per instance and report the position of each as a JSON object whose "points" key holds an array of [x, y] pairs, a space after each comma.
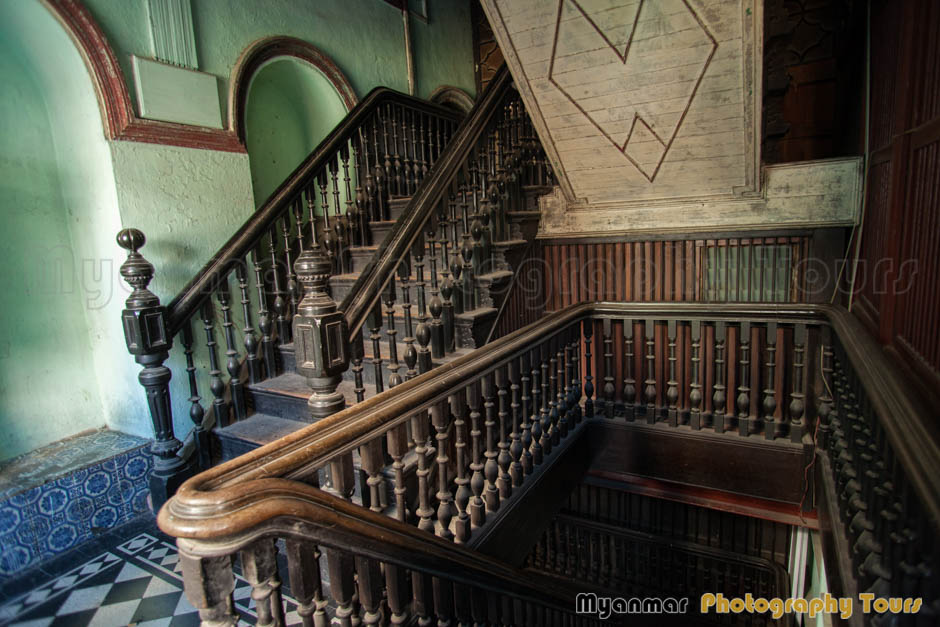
{"points": [[203, 502], [182, 307], [373, 279], [313, 515]]}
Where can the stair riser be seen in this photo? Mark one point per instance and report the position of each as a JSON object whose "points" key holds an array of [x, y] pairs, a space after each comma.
{"points": [[283, 406]]}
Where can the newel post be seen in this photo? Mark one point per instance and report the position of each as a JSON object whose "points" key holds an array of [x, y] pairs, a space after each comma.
{"points": [[319, 334], [149, 341]]}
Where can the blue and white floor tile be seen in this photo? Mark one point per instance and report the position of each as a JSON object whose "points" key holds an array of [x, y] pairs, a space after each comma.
{"points": [[138, 582]]}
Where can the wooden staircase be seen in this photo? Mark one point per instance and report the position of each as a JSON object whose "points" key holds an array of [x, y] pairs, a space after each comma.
{"points": [[278, 405]]}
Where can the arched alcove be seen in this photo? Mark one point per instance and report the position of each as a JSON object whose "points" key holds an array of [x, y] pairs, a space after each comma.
{"points": [[290, 107], [59, 210]]}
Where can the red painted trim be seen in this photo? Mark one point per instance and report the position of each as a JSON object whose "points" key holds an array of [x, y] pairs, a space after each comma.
{"points": [[117, 112], [263, 50], [713, 499]]}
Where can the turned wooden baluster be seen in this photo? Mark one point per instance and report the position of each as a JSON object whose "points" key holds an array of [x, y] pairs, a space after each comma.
{"points": [[672, 386], [798, 396], [456, 261], [395, 185], [355, 202], [447, 282], [588, 379], [297, 210], [251, 341], [467, 252], [770, 402], [423, 155], [329, 243], [209, 583], [744, 378], [695, 392], [364, 187], [435, 307], [293, 293], [357, 353], [516, 417], [341, 569], [372, 462], [369, 587], [264, 317], [364, 177], [719, 398], [390, 332], [280, 302], [196, 411], [422, 598], [551, 362], [216, 385], [526, 439], [547, 400], [564, 382], [558, 387], [576, 388], [341, 230], [538, 437], [411, 356], [458, 408], [303, 567], [259, 567], [382, 167], [608, 369], [419, 434], [477, 481], [374, 322], [491, 466], [232, 363], [649, 328], [414, 167], [440, 418], [825, 399]]}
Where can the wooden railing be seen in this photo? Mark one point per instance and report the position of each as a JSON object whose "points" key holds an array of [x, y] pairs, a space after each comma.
{"points": [[442, 454], [616, 561], [384, 147]]}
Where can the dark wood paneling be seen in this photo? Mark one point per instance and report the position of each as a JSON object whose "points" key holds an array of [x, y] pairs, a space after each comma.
{"points": [[729, 269], [607, 503], [716, 462], [895, 289]]}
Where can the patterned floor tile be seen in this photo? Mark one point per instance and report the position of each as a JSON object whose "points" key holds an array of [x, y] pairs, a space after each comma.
{"points": [[137, 582]]}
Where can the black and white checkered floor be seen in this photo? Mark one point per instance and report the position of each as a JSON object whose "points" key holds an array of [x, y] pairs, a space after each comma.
{"points": [[136, 582]]}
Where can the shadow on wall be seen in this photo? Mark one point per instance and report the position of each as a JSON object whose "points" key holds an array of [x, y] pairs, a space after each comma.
{"points": [[59, 210], [291, 107]]}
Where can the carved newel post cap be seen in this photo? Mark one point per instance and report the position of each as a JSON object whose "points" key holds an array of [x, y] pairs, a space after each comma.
{"points": [[131, 239], [144, 319], [137, 271]]}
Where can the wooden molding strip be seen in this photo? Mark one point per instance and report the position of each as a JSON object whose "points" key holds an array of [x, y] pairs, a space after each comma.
{"points": [[117, 111]]}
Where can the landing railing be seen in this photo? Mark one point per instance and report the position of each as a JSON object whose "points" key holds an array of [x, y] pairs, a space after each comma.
{"points": [[442, 454]]}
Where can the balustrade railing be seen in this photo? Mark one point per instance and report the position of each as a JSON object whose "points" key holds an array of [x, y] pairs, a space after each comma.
{"points": [[269, 286], [615, 561], [443, 453]]}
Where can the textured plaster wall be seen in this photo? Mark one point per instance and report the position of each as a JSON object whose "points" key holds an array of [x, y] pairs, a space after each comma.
{"points": [[48, 387], [363, 37], [291, 108], [188, 202]]}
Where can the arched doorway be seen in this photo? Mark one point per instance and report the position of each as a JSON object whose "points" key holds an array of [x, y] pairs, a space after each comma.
{"points": [[291, 107], [286, 96]]}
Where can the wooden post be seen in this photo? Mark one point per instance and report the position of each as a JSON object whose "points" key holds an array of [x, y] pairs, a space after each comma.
{"points": [[320, 335], [148, 340]]}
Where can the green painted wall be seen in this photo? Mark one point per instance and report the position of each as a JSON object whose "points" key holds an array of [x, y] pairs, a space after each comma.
{"points": [[363, 37], [47, 390], [291, 108], [67, 190]]}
